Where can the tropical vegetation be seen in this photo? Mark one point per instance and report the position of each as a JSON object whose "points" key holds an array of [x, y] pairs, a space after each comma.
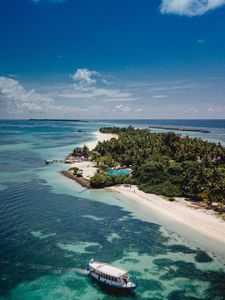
{"points": [[164, 163]]}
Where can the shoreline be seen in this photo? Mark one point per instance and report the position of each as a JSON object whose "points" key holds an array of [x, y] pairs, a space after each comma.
{"points": [[100, 137], [89, 168], [181, 211], [80, 180], [201, 220]]}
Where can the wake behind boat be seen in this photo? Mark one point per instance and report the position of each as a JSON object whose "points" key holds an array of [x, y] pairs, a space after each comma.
{"points": [[110, 277]]}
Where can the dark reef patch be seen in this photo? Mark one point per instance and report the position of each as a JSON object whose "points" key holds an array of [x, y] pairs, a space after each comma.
{"points": [[202, 257]]}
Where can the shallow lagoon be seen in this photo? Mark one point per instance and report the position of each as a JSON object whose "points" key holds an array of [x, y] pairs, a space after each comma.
{"points": [[50, 228]]}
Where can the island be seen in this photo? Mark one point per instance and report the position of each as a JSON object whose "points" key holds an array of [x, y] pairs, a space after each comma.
{"points": [[180, 177], [159, 163], [61, 120], [175, 128]]}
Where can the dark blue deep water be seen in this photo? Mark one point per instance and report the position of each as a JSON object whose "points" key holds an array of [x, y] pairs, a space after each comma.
{"points": [[50, 227]]}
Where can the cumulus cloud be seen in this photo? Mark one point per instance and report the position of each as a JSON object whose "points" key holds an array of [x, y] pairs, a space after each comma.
{"points": [[92, 84], [189, 7], [14, 98], [84, 77], [121, 108], [18, 100]]}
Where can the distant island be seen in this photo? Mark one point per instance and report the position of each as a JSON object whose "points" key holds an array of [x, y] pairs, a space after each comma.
{"points": [[179, 128], [61, 120], [158, 163]]}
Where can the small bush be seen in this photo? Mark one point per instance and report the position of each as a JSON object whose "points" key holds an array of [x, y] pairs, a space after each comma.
{"points": [[75, 170], [171, 199]]}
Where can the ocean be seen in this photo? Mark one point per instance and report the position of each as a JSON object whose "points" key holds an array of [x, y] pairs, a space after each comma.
{"points": [[50, 227]]}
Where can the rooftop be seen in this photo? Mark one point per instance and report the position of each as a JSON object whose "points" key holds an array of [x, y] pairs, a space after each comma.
{"points": [[108, 270]]}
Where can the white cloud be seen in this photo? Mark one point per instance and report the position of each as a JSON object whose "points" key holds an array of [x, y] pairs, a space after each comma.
{"points": [[92, 84], [159, 96], [15, 99], [189, 7], [121, 108], [84, 77], [92, 92]]}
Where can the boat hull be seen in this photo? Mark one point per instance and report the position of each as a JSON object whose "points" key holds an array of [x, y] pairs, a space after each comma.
{"points": [[114, 288]]}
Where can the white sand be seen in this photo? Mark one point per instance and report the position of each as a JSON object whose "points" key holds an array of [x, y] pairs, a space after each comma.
{"points": [[181, 211], [88, 168], [205, 222], [100, 137]]}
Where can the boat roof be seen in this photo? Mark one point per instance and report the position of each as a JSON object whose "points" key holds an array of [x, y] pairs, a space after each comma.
{"points": [[108, 270]]}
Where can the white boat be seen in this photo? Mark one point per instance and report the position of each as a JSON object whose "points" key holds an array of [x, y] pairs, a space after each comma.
{"points": [[110, 277]]}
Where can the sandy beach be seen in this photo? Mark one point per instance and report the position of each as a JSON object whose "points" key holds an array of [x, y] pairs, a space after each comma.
{"points": [[199, 219], [181, 211], [100, 137], [88, 168]]}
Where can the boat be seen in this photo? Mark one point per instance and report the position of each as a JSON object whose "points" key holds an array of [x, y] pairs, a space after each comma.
{"points": [[110, 277]]}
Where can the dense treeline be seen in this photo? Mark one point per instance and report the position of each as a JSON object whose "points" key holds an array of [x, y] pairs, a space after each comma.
{"points": [[168, 164], [101, 180]]}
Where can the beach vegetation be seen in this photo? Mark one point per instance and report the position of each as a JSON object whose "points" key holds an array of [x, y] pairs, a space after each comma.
{"points": [[101, 180], [165, 163], [106, 162], [81, 152], [75, 170]]}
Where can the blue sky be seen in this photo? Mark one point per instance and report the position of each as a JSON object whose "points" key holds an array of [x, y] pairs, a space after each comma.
{"points": [[112, 59]]}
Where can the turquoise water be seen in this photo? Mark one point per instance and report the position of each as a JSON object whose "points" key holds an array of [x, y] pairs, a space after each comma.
{"points": [[50, 227], [118, 172]]}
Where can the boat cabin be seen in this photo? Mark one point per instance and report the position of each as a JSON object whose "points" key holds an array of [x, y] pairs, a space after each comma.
{"points": [[109, 275]]}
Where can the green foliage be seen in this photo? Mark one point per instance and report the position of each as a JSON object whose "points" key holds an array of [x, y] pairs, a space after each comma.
{"points": [[106, 162], [168, 164], [79, 152], [75, 170], [165, 188], [101, 180], [151, 171]]}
